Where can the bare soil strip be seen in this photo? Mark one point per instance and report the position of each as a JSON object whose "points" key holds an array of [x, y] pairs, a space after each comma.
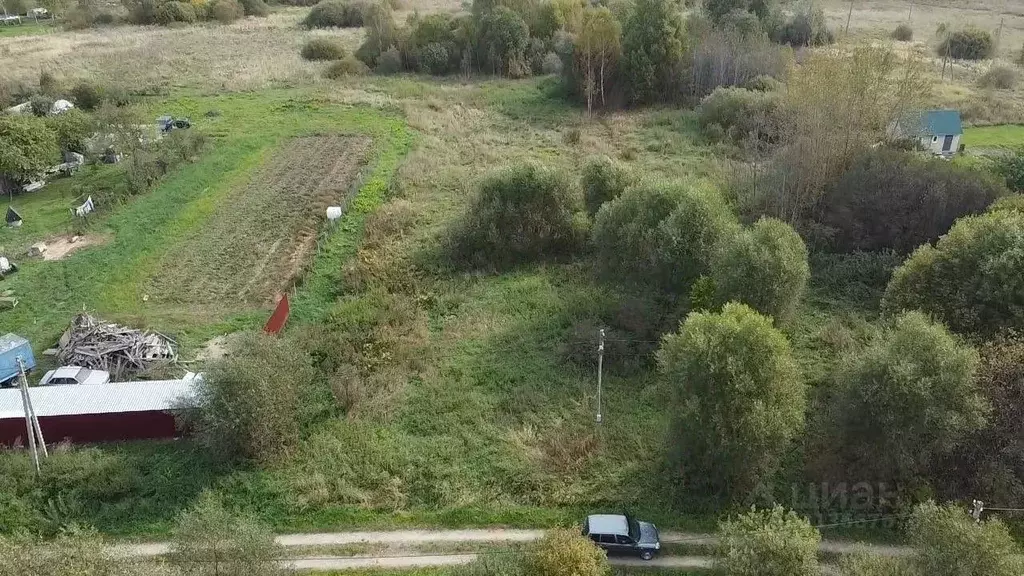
{"points": [[262, 235]]}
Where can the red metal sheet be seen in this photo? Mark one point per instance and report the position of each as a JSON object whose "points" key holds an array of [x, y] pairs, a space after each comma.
{"points": [[280, 316]]}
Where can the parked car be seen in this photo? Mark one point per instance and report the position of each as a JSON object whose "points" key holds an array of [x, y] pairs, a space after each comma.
{"points": [[621, 534], [74, 375]]}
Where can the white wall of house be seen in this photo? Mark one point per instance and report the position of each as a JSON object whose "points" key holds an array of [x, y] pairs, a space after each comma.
{"points": [[934, 144]]}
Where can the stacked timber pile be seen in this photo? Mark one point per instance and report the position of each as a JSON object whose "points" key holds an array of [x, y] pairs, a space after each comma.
{"points": [[122, 351]]}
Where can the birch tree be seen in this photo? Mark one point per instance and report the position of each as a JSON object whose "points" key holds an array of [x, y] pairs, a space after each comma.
{"points": [[598, 49]]}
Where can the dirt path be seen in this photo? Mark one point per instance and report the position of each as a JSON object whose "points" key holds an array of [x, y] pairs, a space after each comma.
{"points": [[419, 537]]}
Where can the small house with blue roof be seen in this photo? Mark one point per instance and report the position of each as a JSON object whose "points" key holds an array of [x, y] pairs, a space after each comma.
{"points": [[938, 131]]}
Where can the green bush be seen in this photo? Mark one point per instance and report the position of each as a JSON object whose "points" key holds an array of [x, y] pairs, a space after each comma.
{"points": [[434, 59], [764, 267], [967, 44], [627, 233], [768, 542], [970, 279], [210, 541], [175, 12], [251, 401], [999, 77], [763, 83], [742, 114], [141, 11], [865, 562], [652, 46], [565, 552], [336, 14], [661, 235], [256, 8], [86, 95], [903, 33], [1010, 167], [740, 400], [41, 105], [347, 66], [520, 214], [381, 34], [72, 128], [49, 85], [389, 62], [323, 49], [504, 37], [951, 543], [552, 64], [904, 402], [805, 28], [895, 200], [603, 180], [226, 11], [106, 19]]}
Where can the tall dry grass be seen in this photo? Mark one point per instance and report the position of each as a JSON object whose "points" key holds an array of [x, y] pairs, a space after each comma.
{"points": [[250, 54]]}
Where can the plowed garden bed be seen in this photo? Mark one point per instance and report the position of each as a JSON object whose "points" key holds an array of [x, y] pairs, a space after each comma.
{"points": [[262, 234]]}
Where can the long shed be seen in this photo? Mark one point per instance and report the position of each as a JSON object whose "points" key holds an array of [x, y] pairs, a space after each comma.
{"points": [[84, 413]]}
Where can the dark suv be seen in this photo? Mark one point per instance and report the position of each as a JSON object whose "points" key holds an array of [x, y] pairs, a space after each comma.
{"points": [[620, 534]]}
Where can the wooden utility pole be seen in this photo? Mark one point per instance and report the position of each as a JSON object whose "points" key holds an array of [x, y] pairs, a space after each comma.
{"points": [[26, 405], [849, 16], [600, 368], [999, 36]]}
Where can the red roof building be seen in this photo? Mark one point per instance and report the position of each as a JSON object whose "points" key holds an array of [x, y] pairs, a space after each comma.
{"points": [[83, 413]]}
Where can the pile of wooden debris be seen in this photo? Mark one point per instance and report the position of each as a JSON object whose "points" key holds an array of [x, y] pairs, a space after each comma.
{"points": [[122, 351]]}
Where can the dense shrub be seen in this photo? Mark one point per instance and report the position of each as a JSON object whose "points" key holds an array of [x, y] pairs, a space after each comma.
{"points": [[805, 28], [552, 64], [105, 19], [603, 180], [768, 543], [740, 399], [49, 85], [741, 115], [652, 46], [226, 11], [1000, 77], [256, 8], [323, 49], [904, 402], [898, 200], [72, 128], [389, 62], [87, 95], [970, 279], [335, 14], [951, 543], [251, 401], [40, 105], [565, 552], [381, 34], [520, 214], [73, 551], [208, 540], [763, 84], [175, 12], [504, 37], [764, 267], [661, 235], [967, 44], [141, 11], [1010, 167], [434, 59], [903, 33], [864, 562], [29, 147], [347, 66]]}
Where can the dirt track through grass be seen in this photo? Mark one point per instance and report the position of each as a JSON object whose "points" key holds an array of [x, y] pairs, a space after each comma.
{"points": [[264, 233]]}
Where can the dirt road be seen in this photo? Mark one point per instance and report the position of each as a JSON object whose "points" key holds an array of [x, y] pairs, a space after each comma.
{"points": [[420, 561], [496, 535]]}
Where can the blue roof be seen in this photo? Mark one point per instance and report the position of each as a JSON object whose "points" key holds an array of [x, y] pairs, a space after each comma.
{"points": [[934, 123]]}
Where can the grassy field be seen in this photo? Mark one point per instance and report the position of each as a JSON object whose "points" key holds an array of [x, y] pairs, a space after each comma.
{"points": [[1004, 136], [472, 412]]}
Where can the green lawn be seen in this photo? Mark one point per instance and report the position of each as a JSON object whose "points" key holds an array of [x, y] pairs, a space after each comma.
{"points": [[1004, 135], [29, 28]]}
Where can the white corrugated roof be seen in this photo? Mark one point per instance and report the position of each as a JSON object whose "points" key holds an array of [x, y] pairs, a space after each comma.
{"points": [[115, 397]]}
